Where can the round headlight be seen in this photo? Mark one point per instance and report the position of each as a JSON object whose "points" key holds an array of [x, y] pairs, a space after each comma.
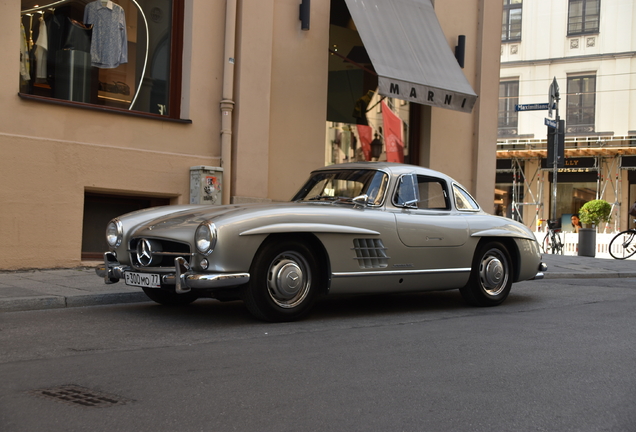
{"points": [[205, 238], [114, 233]]}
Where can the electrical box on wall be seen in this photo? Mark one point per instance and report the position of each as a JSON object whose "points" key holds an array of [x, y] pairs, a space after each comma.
{"points": [[206, 184]]}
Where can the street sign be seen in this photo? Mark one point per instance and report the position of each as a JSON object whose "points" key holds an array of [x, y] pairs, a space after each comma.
{"points": [[553, 95], [551, 123], [532, 107]]}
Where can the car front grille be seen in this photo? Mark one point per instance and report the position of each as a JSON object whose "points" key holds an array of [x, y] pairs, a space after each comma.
{"points": [[370, 253], [155, 253]]}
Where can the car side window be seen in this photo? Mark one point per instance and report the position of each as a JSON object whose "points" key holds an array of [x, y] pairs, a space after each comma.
{"points": [[463, 200], [433, 194], [406, 194]]}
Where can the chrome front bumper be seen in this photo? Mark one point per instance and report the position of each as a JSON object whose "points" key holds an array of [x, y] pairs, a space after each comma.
{"points": [[184, 278]]}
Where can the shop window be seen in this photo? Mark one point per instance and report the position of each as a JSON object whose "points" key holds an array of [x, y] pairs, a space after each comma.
{"points": [[508, 117], [583, 16], [123, 55], [581, 104], [511, 22], [99, 209], [361, 124], [572, 192]]}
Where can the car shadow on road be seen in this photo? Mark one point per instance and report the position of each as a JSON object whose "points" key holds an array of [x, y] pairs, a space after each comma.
{"points": [[209, 311]]}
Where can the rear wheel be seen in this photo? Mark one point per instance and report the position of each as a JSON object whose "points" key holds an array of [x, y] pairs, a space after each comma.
{"points": [[284, 282], [491, 276], [623, 245], [168, 298]]}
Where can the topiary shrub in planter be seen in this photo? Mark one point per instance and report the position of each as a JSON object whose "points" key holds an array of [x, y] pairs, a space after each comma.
{"points": [[595, 212], [592, 213]]}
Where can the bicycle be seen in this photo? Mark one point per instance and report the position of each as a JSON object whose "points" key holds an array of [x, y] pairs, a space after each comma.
{"points": [[623, 245], [552, 243]]}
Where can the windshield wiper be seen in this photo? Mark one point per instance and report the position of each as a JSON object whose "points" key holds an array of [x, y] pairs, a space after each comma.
{"points": [[322, 198], [330, 198]]}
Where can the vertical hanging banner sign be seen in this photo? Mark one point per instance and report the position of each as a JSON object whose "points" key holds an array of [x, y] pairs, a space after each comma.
{"points": [[366, 135], [392, 135]]}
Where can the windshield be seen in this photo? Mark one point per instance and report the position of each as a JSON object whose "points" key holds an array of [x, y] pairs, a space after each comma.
{"points": [[343, 185]]}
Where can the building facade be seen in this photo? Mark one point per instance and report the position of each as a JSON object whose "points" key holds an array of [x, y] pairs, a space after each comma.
{"points": [[111, 103], [588, 47]]}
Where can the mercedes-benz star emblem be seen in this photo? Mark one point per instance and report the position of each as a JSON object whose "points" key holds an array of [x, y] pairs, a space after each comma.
{"points": [[144, 252]]}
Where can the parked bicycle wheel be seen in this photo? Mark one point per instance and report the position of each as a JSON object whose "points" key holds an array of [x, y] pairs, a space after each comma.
{"points": [[552, 243], [623, 245]]}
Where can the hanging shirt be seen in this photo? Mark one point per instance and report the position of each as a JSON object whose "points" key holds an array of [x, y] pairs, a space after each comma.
{"points": [[41, 47], [109, 45], [25, 67]]}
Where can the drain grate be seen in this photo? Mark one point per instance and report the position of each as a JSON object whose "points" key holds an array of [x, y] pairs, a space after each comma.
{"points": [[80, 396]]}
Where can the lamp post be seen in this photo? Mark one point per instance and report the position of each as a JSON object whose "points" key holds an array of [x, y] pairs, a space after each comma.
{"points": [[376, 147], [554, 99]]}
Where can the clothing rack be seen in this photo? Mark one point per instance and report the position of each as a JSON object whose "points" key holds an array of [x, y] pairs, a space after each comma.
{"points": [[47, 6]]}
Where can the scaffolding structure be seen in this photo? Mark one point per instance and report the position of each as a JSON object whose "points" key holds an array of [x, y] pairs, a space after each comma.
{"points": [[607, 153]]}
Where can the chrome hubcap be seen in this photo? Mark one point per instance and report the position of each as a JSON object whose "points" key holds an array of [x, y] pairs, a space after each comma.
{"points": [[493, 273], [288, 279]]}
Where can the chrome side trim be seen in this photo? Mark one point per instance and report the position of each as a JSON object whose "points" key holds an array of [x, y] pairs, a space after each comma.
{"points": [[398, 272], [308, 227]]}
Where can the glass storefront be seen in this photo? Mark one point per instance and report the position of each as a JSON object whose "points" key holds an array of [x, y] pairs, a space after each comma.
{"points": [[570, 198], [361, 125], [106, 53], [576, 184]]}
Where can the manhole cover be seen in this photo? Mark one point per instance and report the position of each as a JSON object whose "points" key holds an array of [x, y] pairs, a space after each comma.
{"points": [[80, 396]]}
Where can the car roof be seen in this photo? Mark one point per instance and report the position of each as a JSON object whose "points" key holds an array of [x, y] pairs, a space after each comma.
{"points": [[393, 168]]}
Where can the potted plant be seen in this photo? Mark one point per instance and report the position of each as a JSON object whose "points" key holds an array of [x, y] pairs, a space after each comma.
{"points": [[593, 213]]}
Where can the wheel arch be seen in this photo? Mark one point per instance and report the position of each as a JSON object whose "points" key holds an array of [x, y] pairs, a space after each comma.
{"points": [[314, 244], [513, 250]]}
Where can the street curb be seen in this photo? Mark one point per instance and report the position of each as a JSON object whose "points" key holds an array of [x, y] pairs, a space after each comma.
{"points": [[60, 302]]}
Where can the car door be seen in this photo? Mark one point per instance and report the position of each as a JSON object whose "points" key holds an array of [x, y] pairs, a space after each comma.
{"points": [[427, 219]]}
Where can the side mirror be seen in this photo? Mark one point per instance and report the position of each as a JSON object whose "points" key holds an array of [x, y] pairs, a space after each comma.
{"points": [[361, 200], [408, 192]]}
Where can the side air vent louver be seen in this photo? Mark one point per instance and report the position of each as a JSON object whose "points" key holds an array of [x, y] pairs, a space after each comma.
{"points": [[370, 253]]}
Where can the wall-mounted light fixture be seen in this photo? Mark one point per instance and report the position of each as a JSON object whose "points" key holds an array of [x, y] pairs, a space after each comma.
{"points": [[304, 14], [460, 50]]}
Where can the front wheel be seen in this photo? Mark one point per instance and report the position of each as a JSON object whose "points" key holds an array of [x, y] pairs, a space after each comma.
{"points": [[491, 276], [168, 298], [623, 245], [284, 282]]}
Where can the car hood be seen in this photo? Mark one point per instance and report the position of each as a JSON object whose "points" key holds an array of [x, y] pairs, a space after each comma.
{"points": [[181, 221]]}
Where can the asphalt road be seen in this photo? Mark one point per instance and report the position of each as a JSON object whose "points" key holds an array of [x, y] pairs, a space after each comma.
{"points": [[559, 355]]}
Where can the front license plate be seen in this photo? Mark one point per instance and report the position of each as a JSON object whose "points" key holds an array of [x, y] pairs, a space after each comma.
{"points": [[146, 280]]}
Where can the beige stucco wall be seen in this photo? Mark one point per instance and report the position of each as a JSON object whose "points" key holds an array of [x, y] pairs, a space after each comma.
{"points": [[281, 88], [297, 133]]}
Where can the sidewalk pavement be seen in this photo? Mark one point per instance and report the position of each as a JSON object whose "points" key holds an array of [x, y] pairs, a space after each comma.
{"points": [[59, 288]]}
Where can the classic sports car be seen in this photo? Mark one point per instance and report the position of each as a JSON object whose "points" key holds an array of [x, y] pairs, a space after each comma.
{"points": [[366, 227]]}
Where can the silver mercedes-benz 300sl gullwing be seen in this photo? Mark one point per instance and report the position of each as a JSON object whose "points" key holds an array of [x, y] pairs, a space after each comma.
{"points": [[366, 227]]}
